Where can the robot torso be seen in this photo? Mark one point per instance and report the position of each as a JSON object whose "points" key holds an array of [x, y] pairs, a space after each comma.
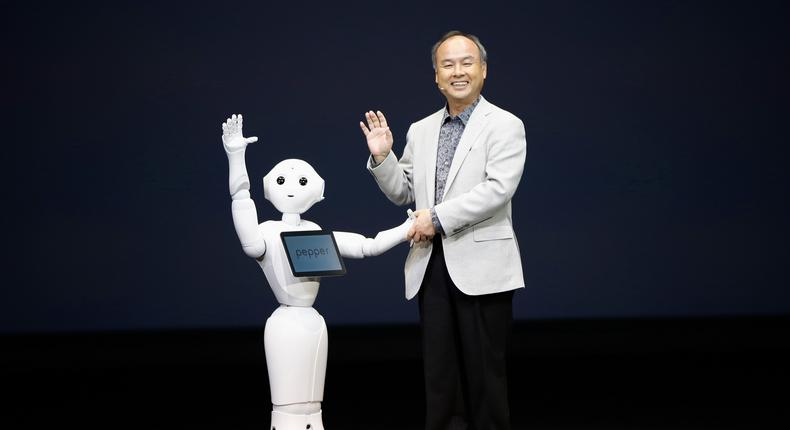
{"points": [[288, 289]]}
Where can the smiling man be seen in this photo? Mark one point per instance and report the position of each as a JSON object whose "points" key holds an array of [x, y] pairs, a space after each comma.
{"points": [[460, 167]]}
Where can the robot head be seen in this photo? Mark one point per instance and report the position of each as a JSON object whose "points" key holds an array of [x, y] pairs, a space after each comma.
{"points": [[293, 186]]}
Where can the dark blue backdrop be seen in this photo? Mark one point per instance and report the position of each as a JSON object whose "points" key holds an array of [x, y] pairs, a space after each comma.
{"points": [[655, 182]]}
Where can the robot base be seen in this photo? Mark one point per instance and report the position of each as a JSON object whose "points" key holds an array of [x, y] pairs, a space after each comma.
{"points": [[284, 421]]}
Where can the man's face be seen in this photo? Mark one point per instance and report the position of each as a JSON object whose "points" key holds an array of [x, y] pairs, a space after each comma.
{"points": [[459, 71]]}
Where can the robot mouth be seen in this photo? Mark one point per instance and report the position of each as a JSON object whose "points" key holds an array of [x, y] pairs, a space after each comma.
{"points": [[290, 195]]}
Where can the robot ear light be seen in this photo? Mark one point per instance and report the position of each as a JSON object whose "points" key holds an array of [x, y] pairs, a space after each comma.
{"points": [[266, 187]]}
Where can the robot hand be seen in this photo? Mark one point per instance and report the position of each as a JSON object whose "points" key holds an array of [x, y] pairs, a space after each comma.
{"points": [[235, 143], [232, 137]]}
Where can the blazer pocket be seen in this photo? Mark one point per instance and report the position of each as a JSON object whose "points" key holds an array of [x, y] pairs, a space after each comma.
{"points": [[492, 233]]}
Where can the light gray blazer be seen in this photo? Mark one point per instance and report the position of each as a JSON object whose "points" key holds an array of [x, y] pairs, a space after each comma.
{"points": [[480, 247]]}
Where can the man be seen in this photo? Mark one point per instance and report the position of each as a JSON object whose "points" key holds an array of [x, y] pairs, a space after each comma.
{"points": [[461, 167]]}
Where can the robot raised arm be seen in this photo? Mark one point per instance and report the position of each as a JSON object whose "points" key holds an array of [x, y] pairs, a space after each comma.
{"points": [[245, 216], [354, 245]]}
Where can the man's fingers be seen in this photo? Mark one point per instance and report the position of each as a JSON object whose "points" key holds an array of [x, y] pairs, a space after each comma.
{"points": [[382, 120], [375, 119], [252, 139], [365, 130], [416, 230], [369, 119], [378, 119]]}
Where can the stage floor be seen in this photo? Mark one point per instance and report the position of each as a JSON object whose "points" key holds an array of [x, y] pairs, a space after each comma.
{"points": [[635, 374]]}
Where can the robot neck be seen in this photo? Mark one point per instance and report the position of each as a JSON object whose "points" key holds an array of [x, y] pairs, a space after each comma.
{"points": [[292, 219]]}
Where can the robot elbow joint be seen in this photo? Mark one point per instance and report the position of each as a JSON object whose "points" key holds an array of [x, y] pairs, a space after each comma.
{"points": [[255, 250]]}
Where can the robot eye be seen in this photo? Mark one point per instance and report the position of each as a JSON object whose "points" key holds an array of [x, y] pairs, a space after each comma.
{"points": [[280, 180], [302, 181]]}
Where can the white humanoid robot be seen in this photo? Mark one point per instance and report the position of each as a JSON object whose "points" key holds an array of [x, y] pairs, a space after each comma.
{"points": [[295, 337]]}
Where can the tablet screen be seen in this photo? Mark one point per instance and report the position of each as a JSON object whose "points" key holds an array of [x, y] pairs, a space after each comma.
{"points": [[313, 253]]}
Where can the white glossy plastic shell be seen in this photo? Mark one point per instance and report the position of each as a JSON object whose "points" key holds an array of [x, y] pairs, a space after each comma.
{"points": [[296, 347]]}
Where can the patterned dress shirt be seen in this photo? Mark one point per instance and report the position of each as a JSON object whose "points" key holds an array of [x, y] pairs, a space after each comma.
{"points": [[449, 136]]}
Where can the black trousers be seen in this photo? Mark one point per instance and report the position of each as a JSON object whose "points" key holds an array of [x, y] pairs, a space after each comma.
{"points": [[466, 342]]}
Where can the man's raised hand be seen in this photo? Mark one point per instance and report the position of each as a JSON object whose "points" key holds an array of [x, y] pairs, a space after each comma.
{"points": [[231, 134], [378, 135]]}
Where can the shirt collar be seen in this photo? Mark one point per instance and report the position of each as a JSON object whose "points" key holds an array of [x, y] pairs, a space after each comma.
{"points": [[463, 116]]}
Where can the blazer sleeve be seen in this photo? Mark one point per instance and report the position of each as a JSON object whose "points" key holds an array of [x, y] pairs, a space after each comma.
{"points": [[506, 148], [394, 177]]}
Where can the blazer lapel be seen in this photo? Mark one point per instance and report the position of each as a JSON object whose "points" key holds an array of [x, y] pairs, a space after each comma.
{"points": [[477, 123]]}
